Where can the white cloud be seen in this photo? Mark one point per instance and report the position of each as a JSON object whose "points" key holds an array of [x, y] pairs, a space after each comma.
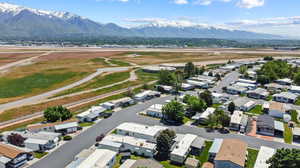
{"points": [[250, 3], [207, 2], [277, 21], [181, 2]]}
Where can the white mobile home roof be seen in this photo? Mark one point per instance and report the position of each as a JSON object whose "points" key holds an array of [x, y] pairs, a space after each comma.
{"points": [[196, 83], [246, 81], [207, 112], [98, 159], [236, 117], [244, 84], [278, 125], [156, 107], [184, 145], [215, 147], [141, 129], [36, 141], [65, 126], [263, 155]]}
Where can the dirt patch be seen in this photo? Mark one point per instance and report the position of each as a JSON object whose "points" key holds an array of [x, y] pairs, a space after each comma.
{"points": [[6, 58]]}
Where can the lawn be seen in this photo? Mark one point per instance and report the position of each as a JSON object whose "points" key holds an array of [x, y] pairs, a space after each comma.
{"points": [[145, 76], [86, 124], [294, 115], [288, 134], [119, 63], [203, 157], [39, 154], [257, 110], [167, 164], [251, 158], [97, 82], [13, 87]]}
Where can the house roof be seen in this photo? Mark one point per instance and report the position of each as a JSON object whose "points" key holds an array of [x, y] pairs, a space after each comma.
{"points": [[140, 128], [287, 95], [192, 162], [38, 126], [278, 126], [36, 141], [184, 145], [215, 147], [265, 121], [66, 125], [9, 151], [263, 155], [277, 106], [259, 91], [99, 158], [149, 163], [236, 117], [233, 150]]}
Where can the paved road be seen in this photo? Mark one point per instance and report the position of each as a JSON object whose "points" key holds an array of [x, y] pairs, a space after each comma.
{"points": [[229, 78], [65, 154], [39, 98]]}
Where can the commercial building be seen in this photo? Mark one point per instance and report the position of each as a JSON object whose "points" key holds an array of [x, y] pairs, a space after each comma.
{"points": [[232, 154], [264, 154], [149, 133]]}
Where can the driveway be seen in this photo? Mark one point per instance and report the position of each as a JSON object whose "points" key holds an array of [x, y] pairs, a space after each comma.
{"points": [[229, 78]]}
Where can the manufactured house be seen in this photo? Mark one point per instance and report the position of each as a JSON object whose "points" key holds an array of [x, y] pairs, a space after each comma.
{"points": [[146, 95], [186, 86], [100, 158], [137, 146], [12, 157], [244, 104], [236, 120], [67, 128], [123, 102], [285, 81], [258, 93], [110, 145], [87, 116], [215, 148], [218, 98], [182, 149], [155, 111], [50, 127], [264, 154], [245, 85], [164, 88], [232, 154], [236, 90], [274, 87], [149, 133], [285, 97], [296, 134], [295, 89], [246, 81], [265, 125], [79, 158], [108, 105], [276, 109], [203, 117], [198, 84]]}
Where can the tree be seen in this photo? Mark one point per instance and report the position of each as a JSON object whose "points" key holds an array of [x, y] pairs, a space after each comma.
{"points": [[189, 70], [262, 79], [186, 98], [231, 107], [166, 78], [284, 158], [200, 71], [16, 139], [173, 111], [164, 143], [212, 121], [207, 97], [297, 78], [196, 104], [53, 114], [224, 120], [243, 69]]}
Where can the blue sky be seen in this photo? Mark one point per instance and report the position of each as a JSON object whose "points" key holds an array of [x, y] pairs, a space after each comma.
{"points": [[267, 16]]}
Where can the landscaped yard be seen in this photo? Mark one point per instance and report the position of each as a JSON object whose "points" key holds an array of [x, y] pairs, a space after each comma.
{"points": [[39, 154], [203, 157], [86, 124], [294, 115], [288, 134], [257, 110], [251, 158]]}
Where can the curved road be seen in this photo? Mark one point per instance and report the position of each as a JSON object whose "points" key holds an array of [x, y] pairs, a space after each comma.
{"points": [[38, 98]]}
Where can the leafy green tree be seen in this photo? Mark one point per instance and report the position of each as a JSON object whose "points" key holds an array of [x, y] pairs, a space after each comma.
{"points": [[231, 107], [173, 111], [167, 78], [207, 97], [243, 69], [297, 78], [53, 114], [196, 104], [224, 120], [263, 79], [164, 143], [189, 70], [200, 71], [285, 158], [212, 121], [186, 98]]}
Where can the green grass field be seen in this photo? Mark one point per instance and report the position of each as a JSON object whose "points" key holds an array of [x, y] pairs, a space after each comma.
{"points": [[203, 157], [146, 77], [251, 158], [10, 87], [288, 134], [257, 110], [99, 81], [119, 63]]}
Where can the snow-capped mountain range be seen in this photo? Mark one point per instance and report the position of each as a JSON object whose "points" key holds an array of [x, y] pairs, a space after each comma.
{"points": [[22, 22]]}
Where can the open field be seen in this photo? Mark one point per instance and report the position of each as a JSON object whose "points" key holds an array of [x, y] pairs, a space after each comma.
{"points": [[6, 58]]}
